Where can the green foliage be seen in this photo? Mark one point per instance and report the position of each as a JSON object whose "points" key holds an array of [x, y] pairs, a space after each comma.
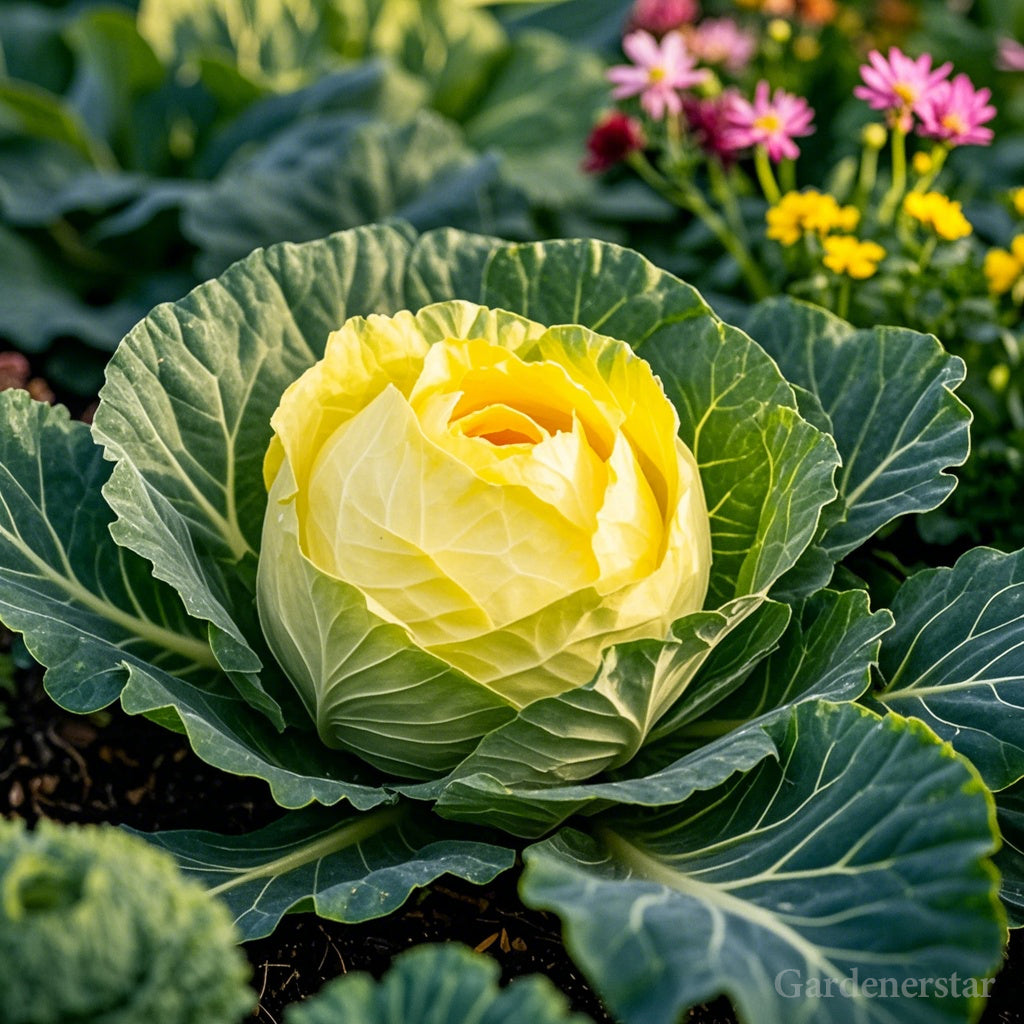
{"points": [[99, 928], [446, 984], [797, 860], [344, 866], [950, 661], [141, 153]]}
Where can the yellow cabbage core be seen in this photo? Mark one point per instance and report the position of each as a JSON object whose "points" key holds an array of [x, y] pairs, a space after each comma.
{"points": [[515, 497]]}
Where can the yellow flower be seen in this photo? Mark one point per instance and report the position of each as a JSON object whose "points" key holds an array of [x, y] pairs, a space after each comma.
{"points": [[511, 498], [797, 212], [785, 219], [845, 254], [922, 163], [1002, 269], [934, 210], [874, 135], [1017, 198], [806, 48]]}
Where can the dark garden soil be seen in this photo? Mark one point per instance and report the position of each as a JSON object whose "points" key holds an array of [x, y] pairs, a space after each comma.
{"points": [[110, 767]]}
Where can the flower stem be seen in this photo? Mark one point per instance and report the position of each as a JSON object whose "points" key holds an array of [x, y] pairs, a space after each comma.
{"points": [[688, 198], [843, 298], [927, 251], [726, 196], [765, 175], [939, 154], [787, 175], [899, 175], [867, 176]]}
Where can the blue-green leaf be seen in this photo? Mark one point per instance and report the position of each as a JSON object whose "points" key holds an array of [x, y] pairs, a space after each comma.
{"points": [[888, 395], [344, 867], [225, 732], [846, 870], [956, 659], [1010, 858], [444, 984], [826, 653], [87, 608], [186, 412]]}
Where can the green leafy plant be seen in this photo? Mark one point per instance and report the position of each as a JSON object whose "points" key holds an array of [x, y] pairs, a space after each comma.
{"points": [[785, 781], [141, 152], [446, 984], [97, 926]]}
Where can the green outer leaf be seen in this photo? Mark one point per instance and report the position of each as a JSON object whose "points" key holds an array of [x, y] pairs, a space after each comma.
{"points": [[727, 667], [224, 732], [87, 608], [956, 659], [828, 652], [530, 812], [888, 393], [192, 414], [1010, 858], [349, 869], [442, 984], [863, 848], [522, 774]]}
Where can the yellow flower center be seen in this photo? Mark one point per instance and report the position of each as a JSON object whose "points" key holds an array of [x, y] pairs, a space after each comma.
{"points": [[954, 123], [657, 74], [907, 93], [768, 122]]}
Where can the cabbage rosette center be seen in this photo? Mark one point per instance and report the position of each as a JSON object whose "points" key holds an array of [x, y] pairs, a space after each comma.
{"points": [[466, 509]]}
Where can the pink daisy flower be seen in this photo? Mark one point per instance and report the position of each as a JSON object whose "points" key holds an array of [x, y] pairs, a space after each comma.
{"points": [[657, 74], [722, 41], [1010, 55], [955, 111], [899, 84], [772, 121], [661, 16]]}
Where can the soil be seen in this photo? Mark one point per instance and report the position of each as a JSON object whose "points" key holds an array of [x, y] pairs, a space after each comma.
{"points": [[110, 767]]}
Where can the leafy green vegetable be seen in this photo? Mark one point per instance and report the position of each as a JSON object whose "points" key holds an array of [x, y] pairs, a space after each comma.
{"points": [[436, 985], [96, 926]]}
